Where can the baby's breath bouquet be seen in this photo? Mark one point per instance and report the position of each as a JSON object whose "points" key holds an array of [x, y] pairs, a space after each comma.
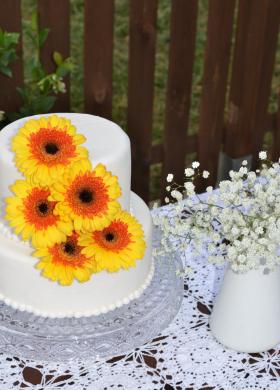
{"points": [[239, 222]]}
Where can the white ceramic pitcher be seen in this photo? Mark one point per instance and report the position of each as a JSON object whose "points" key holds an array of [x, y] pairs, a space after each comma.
{"points": [[246, 313]]}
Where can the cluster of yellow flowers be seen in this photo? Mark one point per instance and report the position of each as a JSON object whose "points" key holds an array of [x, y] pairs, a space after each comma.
{"points": [[68, 209]]}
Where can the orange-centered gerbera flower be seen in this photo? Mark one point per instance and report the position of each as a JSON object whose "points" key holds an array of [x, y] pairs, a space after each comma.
{"points": [[31, 214], [45, 148], [64, 262], [117, 246], [88, 197]]}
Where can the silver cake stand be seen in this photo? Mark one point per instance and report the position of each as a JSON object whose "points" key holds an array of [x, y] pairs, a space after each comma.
{"points": [[115, 333]]}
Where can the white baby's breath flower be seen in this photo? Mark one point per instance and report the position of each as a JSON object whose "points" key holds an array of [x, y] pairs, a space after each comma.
{"points": [[155, 205], [61, 86], [169, 177], [215, 237], [189, 186], [195, 164], [176, 195], [263, 155], [166, 199], [220, 260], [259, 230], [205, 174], [243, 170], [252, 176], [189, 172], [168, 188], [244, 162], [209, 189], [211, 247], [235, 231]]}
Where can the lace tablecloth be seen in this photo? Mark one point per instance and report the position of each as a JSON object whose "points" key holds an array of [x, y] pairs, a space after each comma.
{"points": [[184, 357]]}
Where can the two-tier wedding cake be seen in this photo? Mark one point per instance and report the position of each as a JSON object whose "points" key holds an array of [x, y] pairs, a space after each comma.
{"points": [[74, 239]]}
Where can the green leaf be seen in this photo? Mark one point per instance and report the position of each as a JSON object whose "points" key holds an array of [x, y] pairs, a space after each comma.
{"points": [[43, 35], [57, 57], [61, 71], [13, 116], [37, 72], [65, 68], [12, 38], [26, 111], [7, 57], [23, 93], [6, 71], [43, 104], [8, 43]]}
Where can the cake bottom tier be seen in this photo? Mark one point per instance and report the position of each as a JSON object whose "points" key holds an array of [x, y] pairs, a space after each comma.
{"points": [[22, 286]]}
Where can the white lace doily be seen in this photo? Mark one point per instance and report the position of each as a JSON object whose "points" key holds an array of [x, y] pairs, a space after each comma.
{"points": [[184, 357]]}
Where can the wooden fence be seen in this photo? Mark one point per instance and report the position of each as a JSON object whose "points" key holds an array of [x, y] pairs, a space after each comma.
{"points": [[241, 63]]}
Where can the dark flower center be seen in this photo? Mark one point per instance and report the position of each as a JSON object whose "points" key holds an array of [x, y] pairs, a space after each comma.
{"points": [[86, 196], [69, 248], [43, 208], [51, 148], [109, 237]]}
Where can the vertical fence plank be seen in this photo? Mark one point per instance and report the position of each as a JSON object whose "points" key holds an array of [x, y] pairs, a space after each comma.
{"points": [[216, 63], [55, 15], [178, 96], [98, 62], [10, 20], [268, 61], [275, 153], [256, 38], [142, 39]]}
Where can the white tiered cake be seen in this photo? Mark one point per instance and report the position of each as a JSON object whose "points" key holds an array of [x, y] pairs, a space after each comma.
{"points": [[22, 285]]}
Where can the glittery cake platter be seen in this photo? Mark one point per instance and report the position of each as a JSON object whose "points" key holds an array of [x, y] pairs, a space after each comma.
{"points": [[60, 339]]}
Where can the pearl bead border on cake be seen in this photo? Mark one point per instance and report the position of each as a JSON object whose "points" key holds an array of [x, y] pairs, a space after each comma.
{"points": [[135, 295]]}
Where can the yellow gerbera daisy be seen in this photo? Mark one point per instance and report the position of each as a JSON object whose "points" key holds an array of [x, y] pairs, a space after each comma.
{"points": [[87, 197], [64, 262], [31, 214], [46, 147], [117, 246]]}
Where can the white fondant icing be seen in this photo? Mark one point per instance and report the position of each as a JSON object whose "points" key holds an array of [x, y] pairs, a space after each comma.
{"points": [[6, 232], [106, 142], [21, 285]]}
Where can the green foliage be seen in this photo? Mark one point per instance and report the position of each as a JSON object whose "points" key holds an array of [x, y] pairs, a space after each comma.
{"points": [[8, 44], [40, 89]]}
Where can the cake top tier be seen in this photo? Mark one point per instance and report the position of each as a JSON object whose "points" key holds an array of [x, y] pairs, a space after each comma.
{"points": [[106, 142], [65, 174]]}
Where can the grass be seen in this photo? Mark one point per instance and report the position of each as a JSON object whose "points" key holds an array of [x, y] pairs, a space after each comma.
{"points": [[120, 69]]}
